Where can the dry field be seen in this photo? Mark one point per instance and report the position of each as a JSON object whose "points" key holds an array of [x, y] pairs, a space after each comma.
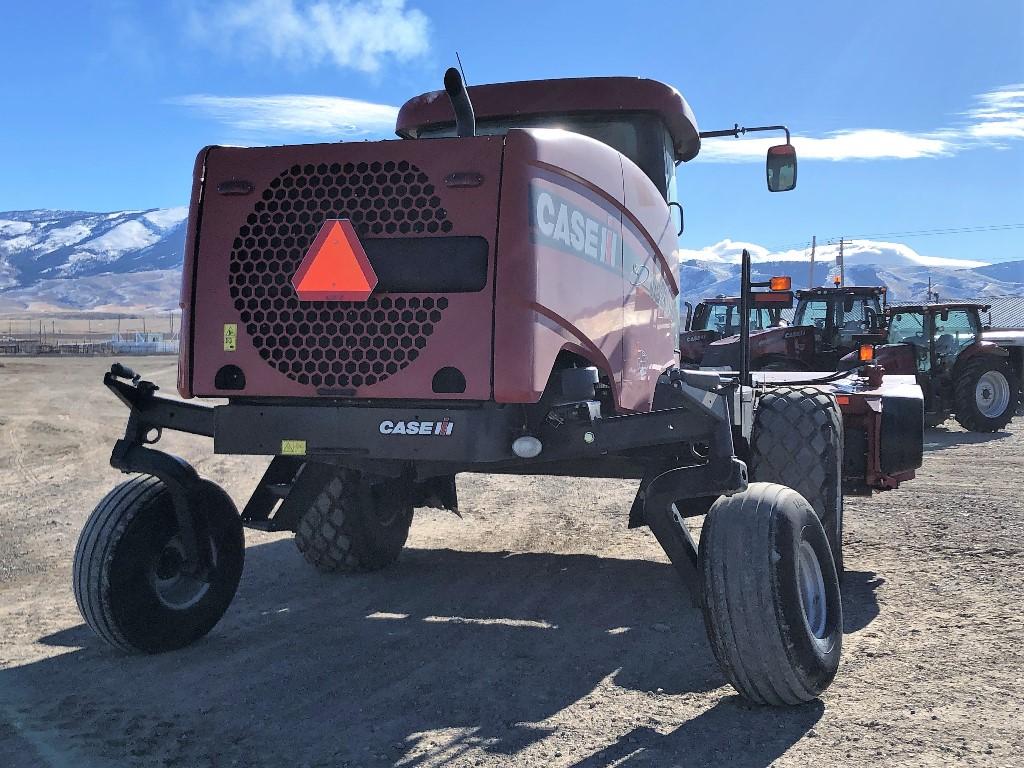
{"points": [[535, 631]]}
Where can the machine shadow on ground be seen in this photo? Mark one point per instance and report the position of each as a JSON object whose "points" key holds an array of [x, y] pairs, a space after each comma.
{"points": [[483, 646], [942, 438]]}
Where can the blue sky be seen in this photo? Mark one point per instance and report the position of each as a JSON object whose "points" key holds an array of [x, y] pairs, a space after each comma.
{"points": [[911, 113]]}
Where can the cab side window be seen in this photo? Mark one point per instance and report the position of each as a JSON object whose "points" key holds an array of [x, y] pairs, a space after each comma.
{"points": [[813, 313], [718, 319], [908, 328], [953, 333], [671, 179]]}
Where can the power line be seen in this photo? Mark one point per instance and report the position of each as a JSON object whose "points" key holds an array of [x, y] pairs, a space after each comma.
{"points": [[912, 233]]}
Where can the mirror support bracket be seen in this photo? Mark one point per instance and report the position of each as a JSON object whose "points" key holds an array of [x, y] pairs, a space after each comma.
{"points": [[736, 131]]}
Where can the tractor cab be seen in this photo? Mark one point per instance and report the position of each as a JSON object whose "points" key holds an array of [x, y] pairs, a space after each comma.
{"points": [[719, 317], [722, 314], [936, 333], [843, 318]]}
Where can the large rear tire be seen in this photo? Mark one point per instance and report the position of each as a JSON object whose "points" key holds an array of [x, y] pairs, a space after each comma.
{"points": [[986, 394], [772, 605], [352, 527], [797, 441], [128, 578]]}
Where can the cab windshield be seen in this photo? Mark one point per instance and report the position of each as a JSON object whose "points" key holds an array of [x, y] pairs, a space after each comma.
{"points": [[725, 319], [852, 315], [639, 136]]}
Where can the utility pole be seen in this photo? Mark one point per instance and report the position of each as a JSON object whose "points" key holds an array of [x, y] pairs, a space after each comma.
{"points": [[840, 262], [810, 279]]}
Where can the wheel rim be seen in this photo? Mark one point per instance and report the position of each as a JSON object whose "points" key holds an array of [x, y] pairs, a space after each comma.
{"points": [[992, 394], [812, 591], [175, 588]]}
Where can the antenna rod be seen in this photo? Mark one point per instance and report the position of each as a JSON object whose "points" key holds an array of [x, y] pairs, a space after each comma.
{"points": [[810, 279], [745, 289]]}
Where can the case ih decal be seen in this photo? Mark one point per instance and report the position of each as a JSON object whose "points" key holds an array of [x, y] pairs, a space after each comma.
{"points": [[566, 220], [441, 428], [583, 230]]}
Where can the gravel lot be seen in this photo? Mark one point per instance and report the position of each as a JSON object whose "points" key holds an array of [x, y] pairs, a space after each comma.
{"points": [[534, 631]]}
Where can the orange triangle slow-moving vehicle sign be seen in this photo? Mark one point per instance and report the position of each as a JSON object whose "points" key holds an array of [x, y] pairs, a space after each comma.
{"points": [[335, 268]]}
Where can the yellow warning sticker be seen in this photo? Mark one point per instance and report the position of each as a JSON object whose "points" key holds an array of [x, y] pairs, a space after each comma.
{"points": [[230, 337], [293, 447]]}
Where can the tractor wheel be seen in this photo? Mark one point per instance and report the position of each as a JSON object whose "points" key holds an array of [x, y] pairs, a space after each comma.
{"points": [[352, 528], [797, 441], [128, 577], [986, 394], [772, 604]]}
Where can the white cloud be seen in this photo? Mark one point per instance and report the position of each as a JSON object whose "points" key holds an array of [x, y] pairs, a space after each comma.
{"points": [[1000, 114], [998, 118], [353, 34], [864, 144], [319, 116]]}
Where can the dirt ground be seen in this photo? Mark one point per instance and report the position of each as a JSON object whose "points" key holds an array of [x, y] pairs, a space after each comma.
{"points": [[535, 631]]}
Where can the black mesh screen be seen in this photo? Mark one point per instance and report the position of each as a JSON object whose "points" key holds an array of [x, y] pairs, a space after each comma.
{"points": [[334, 343]]}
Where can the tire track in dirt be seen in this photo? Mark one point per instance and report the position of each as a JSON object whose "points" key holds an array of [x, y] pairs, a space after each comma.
{"points": [[19, 458]]}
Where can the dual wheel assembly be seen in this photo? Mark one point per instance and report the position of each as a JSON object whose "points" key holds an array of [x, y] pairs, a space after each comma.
{"points": [[769, 587]]}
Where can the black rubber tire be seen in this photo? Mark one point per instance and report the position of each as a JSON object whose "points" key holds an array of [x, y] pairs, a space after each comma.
{"points": [[120, 551], [749, 562], [350, 529], [966, 409], [797, 441]]}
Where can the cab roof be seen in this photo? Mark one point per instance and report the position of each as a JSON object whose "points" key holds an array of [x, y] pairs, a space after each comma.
{"points": [[895, 309], [846, 290], [527, 98], [760, 298]]}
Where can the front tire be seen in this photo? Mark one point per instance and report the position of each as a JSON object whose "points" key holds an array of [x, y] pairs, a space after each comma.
{"points": [[772, 604], [127, 575], [986, 394], [353, 527], [797, 441]]}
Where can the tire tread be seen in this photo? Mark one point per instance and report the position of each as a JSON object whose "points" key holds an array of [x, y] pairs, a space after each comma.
{"points": [[966, 413]]}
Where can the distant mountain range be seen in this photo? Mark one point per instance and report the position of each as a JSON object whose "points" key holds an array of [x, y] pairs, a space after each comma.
{"points": [[715, 270], [131, 261], [75, 260]]}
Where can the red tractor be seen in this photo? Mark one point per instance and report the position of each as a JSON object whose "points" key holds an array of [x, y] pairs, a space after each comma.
{"points": [[843, 318], [711, 339], [961, 372], [494, 292]]}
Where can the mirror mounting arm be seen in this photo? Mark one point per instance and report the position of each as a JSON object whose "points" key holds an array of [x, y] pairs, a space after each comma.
{"points": [[736, 131]]}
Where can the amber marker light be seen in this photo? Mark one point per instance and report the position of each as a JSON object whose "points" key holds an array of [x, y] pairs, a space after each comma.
{"points": [[780, 283], [867, 353]]}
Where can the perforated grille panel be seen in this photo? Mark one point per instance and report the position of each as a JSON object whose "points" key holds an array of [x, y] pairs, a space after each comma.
{"points": [[336, 344]]}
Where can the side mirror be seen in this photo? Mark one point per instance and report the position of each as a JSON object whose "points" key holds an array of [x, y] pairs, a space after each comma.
{"points": [[781, 168]]}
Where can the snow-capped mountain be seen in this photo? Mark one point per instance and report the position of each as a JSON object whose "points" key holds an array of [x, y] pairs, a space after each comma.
{"points": [[81, 260], [715, 270], [131, 260]]}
